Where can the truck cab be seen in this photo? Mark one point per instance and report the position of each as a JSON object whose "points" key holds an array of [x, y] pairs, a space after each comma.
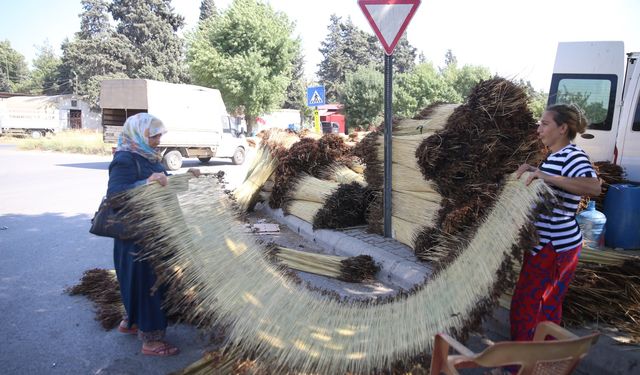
{"points": [[598, 77]]}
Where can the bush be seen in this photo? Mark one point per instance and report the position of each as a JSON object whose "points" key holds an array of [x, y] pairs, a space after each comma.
{"points": [[72, 141]]}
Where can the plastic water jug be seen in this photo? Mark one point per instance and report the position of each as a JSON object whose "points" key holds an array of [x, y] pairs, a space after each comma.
{"points": [[591, 223], [622, 207]]}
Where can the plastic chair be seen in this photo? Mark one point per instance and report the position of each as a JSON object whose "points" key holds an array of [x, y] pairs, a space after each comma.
{"points": [[559, 356]]}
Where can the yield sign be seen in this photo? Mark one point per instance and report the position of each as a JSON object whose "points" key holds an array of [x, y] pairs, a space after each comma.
{"points": [[389, 19]]}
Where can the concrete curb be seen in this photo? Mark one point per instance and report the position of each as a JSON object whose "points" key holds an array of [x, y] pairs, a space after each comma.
{"points": [[393, 269]]}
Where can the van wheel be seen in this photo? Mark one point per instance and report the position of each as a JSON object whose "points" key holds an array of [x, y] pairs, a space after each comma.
{"points": [[204, 160], [35, 134], [172, 160], [238, 156]]}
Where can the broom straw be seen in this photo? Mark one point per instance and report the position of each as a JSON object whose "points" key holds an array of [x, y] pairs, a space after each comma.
{"points": [[289, 327]]}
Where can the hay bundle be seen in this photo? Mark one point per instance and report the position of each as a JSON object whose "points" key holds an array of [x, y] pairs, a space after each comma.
{"points": [[350, 269], [288, 327], [274, 145], [427, 121], [309, 188], [343, 174], [101, 287], [485, 139], [305, 210], [308, 156], [345, 207]]}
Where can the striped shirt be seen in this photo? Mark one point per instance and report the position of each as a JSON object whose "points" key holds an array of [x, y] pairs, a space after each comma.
{"points": [[561, 228]]}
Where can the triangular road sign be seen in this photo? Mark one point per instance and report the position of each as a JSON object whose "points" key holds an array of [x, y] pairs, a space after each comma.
{"points": [[316, 98], [389, 19]]}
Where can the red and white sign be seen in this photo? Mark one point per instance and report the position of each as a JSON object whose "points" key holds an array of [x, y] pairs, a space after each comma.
{"points": [[389, 19]]}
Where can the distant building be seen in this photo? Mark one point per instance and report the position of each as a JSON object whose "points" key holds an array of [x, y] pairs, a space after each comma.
{"points": [[46, 114]]}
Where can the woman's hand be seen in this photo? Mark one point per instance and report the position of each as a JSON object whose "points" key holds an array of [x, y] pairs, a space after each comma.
{"points": [[194, 171], [161, 178], [525, 168]]}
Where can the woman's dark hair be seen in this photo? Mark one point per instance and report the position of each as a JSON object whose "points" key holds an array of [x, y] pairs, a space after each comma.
{"points": [[571, 115]]}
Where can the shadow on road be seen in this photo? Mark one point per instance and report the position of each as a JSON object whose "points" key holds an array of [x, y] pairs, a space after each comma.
{"points": [[104, 165]]}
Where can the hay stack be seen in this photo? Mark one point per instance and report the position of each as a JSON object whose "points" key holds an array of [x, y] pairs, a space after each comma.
{"points": [[485, 139], [406, 176]]}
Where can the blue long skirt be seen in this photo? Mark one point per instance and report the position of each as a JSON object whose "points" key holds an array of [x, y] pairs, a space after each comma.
{"points": [[136, 278]]}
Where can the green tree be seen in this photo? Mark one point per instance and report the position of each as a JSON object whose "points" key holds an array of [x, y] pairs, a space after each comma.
{"points": [[462, 80], [537, 99], [151, 28], [44, 79], [247, 53], [362, 95], [296, 97], [95, 51], [13, 68], [207, 9], [423, 86], [345, 49], [404, 56]]}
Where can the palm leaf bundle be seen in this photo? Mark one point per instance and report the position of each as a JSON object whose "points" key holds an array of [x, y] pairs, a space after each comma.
{"points": [[289, 328], [101, 287], [345, 207], [351, 269]]}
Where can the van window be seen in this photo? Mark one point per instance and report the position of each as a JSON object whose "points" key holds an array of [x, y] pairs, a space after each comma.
{"points": [[636, 118], [226, 127], [594, 93]]}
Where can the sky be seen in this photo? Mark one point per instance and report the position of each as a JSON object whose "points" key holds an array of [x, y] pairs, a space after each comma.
{"points": [[514, 39]]}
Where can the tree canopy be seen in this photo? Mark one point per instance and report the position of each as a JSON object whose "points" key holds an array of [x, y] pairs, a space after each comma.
{"points": [[13, 67], [151, 28], [247, 53]]}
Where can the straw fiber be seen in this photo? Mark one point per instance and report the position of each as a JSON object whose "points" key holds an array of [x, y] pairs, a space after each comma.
{"points": [[293, 329]]}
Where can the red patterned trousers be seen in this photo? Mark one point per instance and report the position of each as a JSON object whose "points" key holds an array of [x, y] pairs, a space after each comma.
{"points": [[542, 285]]}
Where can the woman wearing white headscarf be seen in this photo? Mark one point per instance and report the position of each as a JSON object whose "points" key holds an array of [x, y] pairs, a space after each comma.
{"points": [[137, 162]]}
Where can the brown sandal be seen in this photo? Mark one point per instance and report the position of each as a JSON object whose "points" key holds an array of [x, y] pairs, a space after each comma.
{"points": [[164, 350], [123, 328]]}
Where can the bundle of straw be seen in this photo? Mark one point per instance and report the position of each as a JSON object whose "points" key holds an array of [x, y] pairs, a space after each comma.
{"points": [[342, 174], [101, 287], [274, 145], [309, 188], [351, 269], [345, 207], [485, 139], [289, 328], [305, 210], [308, 156]]}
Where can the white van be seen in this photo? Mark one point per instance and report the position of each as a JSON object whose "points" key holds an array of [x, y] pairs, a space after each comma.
{"points": [[593, 75], [196, 119]]}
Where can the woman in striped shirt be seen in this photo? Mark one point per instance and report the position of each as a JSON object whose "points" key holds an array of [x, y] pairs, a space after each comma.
{"points": [[548, 269]]}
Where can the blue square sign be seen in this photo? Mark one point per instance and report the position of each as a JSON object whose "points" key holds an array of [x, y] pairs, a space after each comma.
{"points": [[315, 96]]}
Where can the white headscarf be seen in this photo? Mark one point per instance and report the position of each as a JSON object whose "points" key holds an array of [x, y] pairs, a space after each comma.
{"points": [[136, 133]]}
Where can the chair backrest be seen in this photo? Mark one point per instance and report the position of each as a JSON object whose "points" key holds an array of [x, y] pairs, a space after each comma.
{"points": [[538, 357], [541, 357]]}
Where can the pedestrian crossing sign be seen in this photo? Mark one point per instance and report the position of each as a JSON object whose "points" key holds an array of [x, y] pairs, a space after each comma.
{"points": [[315, 96]]}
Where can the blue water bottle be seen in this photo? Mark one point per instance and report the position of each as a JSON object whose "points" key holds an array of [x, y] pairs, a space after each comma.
{"points": [[591, 223]]}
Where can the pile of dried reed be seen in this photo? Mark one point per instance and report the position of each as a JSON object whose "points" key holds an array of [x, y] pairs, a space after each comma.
{"points": [[485, 139], [345, 207], [350, 269], [308, 156], [273, 146], [285, 326], [100, 286]]}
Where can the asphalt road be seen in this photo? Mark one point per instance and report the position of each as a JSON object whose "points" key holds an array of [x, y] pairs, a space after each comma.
{"points": [[46, 203]]}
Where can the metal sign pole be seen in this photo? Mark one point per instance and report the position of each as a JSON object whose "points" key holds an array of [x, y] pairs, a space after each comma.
{"points": [[388, 81]]}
